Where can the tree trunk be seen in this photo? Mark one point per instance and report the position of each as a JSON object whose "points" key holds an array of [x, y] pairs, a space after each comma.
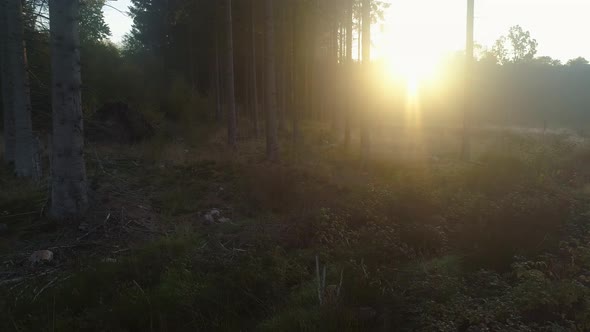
{"points": [[359, 38], [365, 137], [272, 141], [254, 70], [232, 135], [69, 197], [295, 74], [191, 61], [283, 69], [216, 80], [23, 161], [349, 65], [7, 87], [465, 146]]}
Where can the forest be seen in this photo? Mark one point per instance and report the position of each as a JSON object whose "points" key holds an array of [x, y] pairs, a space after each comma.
{"points": [[255, 165]]}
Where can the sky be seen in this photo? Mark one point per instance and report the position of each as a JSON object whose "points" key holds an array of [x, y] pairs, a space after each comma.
{"points": [[119, 23], [431, 28]]}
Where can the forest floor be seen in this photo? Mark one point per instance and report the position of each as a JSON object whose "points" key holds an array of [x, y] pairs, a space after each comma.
{"points": [[184, 235]]}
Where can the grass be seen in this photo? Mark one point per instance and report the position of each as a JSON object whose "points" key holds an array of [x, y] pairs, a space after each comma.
{"points": [[422, 245]]}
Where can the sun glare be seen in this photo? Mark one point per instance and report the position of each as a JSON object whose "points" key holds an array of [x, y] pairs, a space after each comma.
{"points": [[416, 37]]}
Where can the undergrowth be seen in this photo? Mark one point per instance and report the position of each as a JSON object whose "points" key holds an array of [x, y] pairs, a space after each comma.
{"points": [[497, 244]]}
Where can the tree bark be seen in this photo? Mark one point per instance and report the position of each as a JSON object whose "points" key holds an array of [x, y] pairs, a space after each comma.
{"points": [[7, 87], [229, 78], [272, 141], [295, 74], [465, 146], [254, 70], [348, 66], [359, 37], [365, 136], [216, 80], [23, 161], [69, 197], [283, 68]]}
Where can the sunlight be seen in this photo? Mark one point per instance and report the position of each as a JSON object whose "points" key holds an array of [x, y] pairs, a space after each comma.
{"points": [[413, 42], [412, 68], [412, 86]]}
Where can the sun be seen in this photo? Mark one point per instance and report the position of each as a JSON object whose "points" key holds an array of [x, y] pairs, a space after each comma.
{"points": [[413, 69], [415, 38]]}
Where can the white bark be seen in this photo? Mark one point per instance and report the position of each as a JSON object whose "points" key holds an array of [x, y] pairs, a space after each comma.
{"points": [[68, 171]]}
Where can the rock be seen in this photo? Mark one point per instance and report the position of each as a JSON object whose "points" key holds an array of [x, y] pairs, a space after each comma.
{"points": [[3, 228], [41, 256], [224, 220], [215, 213], [208, 219]]}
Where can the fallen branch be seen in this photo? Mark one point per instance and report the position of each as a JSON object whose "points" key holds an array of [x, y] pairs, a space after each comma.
{"points": [[44, 288], [9, 281], [95, 228]]}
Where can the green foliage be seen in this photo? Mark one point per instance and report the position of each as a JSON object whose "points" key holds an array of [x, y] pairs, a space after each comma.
{"points": [[579, 61], [517, 47], [498, 244], [93, 28]]}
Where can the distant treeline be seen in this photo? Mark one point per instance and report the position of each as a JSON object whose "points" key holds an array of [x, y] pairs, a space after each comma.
{"points": [[525, 94]]}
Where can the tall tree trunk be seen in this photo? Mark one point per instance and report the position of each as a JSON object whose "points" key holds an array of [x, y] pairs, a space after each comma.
{"points": [[272, 141], [340, 36], [283, 45], [365, 137], [232, 135], [465, 146], [6, 72], [295, 74], [191, 60], [23, 161], [216, 79], [349, 64], [359, 38], [69, 197], [254, 70]]}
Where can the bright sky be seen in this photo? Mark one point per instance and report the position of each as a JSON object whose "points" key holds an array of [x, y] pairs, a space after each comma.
{"points": [[431, 28], [435, 26], [119, 23]]}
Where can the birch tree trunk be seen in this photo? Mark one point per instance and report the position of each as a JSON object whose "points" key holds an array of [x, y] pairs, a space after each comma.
{"points": [[7, 88], [23, 158], [272, 142], [229, 78], [69, 197], [366, 38]]}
